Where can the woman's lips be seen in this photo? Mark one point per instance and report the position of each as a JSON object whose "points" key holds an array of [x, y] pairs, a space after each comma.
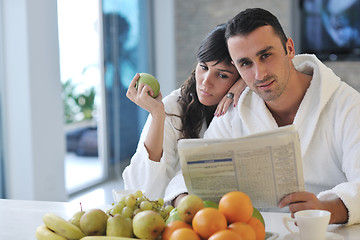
{"points": [[205, 93]]}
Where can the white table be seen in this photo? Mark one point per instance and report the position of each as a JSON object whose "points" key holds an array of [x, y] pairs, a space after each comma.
{"points": [[19, 219]]}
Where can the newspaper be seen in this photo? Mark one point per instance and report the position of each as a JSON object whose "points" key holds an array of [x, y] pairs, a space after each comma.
{"points": [[266, 166]]}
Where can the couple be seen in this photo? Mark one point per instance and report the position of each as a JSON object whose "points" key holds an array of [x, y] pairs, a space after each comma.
{"points": [[282, 89]]}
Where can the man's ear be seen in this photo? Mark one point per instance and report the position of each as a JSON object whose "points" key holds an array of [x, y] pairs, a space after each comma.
{"points": [[290, 47]]}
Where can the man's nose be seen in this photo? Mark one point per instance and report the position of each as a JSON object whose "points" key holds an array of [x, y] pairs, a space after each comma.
{"points": [[260, 71]]}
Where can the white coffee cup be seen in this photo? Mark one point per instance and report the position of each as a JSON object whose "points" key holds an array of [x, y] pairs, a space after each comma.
{"points": [[312, 224]]}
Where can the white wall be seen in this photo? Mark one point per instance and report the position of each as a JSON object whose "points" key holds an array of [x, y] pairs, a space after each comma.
{"points": [[164, 44], [34, 141]]}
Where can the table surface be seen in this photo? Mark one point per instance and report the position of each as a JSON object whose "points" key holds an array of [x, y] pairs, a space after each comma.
{"points": [[19, 219]]}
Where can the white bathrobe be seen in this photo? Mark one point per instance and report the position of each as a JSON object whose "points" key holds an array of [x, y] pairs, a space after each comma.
{"points": [[153, 177], [328, 122]]}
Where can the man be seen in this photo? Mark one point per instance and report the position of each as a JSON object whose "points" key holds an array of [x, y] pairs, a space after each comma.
{"points": [[286, 89]]}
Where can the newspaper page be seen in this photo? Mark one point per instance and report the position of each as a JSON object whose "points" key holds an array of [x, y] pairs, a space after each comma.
{"points": [[266, 166]]}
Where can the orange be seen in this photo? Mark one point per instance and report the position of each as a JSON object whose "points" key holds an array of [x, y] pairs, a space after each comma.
{"points": [[236, 206], [244, 229], [207, 221], [172, 226], [259, 228], [225, 235], [184, 233]]}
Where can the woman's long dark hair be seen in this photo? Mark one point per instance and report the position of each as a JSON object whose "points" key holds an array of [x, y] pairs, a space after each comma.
{"points": [[193, 113]]}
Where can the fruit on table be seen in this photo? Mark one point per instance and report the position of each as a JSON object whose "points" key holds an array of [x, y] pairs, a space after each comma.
{"points": [[119, 226], [208, 203], [172, 226], [62, 227], [135, 216], [173, 216], [93, 222], [76, 218], [148, 224], [189, 206], [107, 238], [44, 233], [257, 214], [150, 80], [207, 221], [236, 206]]}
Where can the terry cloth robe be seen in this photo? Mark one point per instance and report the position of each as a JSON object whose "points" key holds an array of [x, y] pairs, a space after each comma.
{"points": [[328, 123], [153, 177]]}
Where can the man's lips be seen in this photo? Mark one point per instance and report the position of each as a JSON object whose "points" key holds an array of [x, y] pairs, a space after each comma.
{"points": [[266, 85]]}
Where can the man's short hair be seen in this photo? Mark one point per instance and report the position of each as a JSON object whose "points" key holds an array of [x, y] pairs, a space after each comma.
{"points": [[252, 18]]}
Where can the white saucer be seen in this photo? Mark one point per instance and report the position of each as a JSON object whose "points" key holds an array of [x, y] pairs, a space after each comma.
{"points": [[271, 236], [329, 236]]}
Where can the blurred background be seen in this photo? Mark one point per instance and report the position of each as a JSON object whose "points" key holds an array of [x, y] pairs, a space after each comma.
{"points": [[65, 66]]}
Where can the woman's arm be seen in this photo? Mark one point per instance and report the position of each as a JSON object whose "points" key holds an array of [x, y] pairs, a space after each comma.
{"points": [[141, 97]]}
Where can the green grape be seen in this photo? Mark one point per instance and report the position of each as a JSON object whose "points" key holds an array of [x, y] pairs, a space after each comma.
{"points": [[140, 199], [138, 194], [145, 205], [117, 208], [163, 214], [168, 208], [127, 212], [160, 201], [136, 211], [130, 200]]}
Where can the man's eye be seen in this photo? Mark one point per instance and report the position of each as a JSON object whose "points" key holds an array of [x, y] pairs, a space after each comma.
{"points": [[266, 55], [244, 64], [223, 76]]}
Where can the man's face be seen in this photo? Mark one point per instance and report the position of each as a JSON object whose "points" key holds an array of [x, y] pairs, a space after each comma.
{"points": [[262, 61]]}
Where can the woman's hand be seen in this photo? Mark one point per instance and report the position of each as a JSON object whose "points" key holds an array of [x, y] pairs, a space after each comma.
{"points": [[232, 96], [142, 97]]}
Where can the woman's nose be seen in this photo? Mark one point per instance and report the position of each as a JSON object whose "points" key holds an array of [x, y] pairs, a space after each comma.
{"points": [[207, 79]]}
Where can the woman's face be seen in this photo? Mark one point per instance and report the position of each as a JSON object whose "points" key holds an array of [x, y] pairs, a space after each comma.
{"points": [[213, 81]]}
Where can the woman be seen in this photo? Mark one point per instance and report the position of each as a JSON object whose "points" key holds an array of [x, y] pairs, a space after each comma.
{"points": [[185, 113]]}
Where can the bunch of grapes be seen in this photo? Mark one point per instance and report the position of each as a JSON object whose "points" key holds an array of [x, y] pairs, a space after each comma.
{"points": [[131, 204]]}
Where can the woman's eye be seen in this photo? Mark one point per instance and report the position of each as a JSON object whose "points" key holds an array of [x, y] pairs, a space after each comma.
{"points": [[203, 67]]}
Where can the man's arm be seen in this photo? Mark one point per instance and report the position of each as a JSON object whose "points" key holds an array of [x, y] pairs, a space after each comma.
{"points": [[304, 200]]}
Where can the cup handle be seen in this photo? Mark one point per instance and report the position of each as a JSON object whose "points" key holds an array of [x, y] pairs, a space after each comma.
{"points": [[286, 220]]}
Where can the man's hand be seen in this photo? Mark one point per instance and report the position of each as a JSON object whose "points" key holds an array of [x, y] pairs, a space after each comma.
{"points": [[304, 200], [176, 201]]}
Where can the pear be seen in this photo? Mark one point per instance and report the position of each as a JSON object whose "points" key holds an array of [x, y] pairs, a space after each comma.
{"points": [[188, 206], [76, 218], [93, 222], [119, 226], [148, 224]]}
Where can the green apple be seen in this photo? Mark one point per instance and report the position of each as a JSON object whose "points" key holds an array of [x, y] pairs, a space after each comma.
{"points": [[148, 224], [188, 206], [150, 80], [119, 226], [173, 216], [257, 214], [208, 203]]}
